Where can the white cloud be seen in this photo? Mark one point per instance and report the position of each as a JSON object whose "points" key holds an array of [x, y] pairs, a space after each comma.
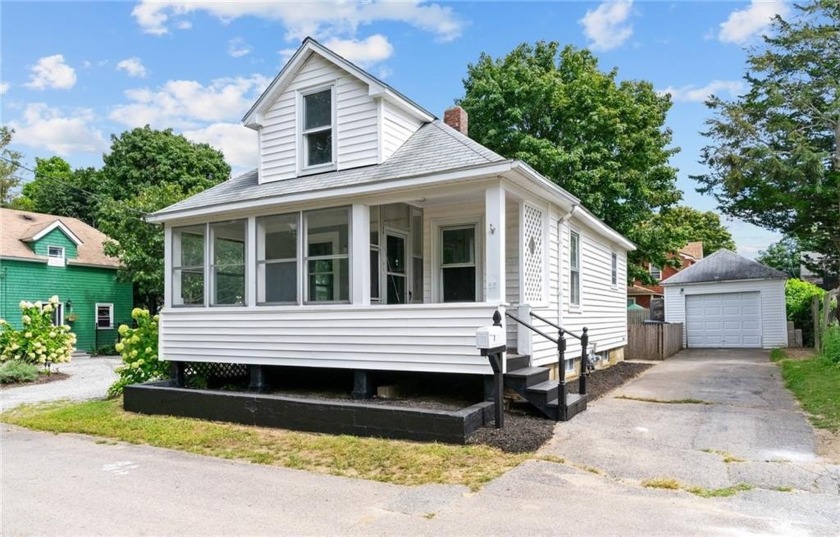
{"points": [[694, 94], [372, 50], [742, 25], [43, 126], [133, 66], [4, 87], [317, 19], [188, 104], [51, 72], [607, 26], [237, 47], [237, 142]]}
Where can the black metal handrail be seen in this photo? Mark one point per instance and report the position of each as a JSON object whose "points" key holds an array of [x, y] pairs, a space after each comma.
{"points": [[531, 327], [558, 327]]}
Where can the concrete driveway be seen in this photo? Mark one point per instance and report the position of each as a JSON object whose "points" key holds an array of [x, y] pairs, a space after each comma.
{"points": [[707, 418]]}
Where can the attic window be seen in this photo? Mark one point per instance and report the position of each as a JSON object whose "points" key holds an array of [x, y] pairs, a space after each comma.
{"points": [[56, 252], [317, 128]]}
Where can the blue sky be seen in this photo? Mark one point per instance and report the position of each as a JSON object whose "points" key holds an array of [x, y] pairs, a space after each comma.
{"points": [[74, 73]]}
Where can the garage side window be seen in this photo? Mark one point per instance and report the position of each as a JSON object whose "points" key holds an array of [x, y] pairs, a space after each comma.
{"points": [[574, 268], [188, 266]]}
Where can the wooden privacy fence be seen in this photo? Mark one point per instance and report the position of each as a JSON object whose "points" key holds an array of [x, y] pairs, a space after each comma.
{"points": [[654, 341]]}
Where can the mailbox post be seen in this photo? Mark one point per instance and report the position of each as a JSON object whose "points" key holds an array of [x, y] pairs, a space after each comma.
{"points": [[490, 340]]}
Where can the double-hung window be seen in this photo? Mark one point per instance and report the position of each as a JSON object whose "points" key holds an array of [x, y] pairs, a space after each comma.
{"points": [[655, 272], [317, 129], [458, 266], [277, 259], [104, 316], [188, 266], [328, 255], [574, 268]]}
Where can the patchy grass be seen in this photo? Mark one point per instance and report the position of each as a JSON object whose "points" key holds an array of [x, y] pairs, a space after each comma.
{"points": [[783, 489], [670, 483], [389, 461], [727, 457], [777, 355], [815, 383], [687, 401], [552, 458]]}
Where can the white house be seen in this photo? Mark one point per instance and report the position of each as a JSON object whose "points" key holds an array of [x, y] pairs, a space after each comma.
{"points": [[728, 301], [375, 237]]}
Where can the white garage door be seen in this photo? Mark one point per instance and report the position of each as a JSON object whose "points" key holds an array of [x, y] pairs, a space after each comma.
{"points": [[723, 320]]}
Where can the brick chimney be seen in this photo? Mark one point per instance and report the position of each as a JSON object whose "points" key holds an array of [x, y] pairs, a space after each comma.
{"points": [[456, 117]]}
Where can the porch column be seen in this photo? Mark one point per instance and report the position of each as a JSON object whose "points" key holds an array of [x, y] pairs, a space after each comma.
{"points": [[494, 244], [167, 265], [360, 255], [251, 262]]}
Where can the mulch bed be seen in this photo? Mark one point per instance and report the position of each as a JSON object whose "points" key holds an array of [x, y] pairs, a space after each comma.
{"points": [[526, 432], [42, 379]]}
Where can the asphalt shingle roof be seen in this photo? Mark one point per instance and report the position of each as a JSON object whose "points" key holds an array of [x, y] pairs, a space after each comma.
{"points": [[434, 148], [722, 266]]}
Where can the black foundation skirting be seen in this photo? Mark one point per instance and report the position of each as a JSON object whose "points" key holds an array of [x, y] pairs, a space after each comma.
{"points": [[352, 417]]}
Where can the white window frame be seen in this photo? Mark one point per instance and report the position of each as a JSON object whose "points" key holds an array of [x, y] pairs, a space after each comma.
{"points": [[303, 165], [210, 267], [573, 233], [655, 274], [614, 269], [110, 307], [260, 282], [56, 260], [175, 255], [438, 227], [306, 258]]}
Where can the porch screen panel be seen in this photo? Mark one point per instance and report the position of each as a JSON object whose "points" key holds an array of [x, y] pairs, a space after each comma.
{"points": [[188, 266], [277, 259], [228, 268], [533, 244], [458, 264], [416, 292], [328, 255]]}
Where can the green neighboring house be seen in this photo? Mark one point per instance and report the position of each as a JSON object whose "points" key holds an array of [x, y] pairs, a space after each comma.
{"points": [[42, 255]]}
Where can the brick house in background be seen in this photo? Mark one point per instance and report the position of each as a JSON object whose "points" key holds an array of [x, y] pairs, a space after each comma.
{"points": [[643, 294]]}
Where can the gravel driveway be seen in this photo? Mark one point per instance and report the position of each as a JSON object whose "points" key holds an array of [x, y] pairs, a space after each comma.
{"points": [[89, 379]]}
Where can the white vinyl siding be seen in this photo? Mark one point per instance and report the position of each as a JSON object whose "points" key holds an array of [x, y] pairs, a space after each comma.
{"points": [[397, 127], [356, 122], [772, 303], [512, 264], [417, 337]]}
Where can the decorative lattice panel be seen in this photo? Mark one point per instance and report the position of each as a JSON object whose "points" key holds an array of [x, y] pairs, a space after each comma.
{"points": [[218, 372], [533, 241]]}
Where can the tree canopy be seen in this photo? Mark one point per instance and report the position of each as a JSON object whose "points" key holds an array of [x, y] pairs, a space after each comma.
{"points": [[60, 190], [774, 152], [602, 140], [694, 225], [9, 165], [784, 255]]}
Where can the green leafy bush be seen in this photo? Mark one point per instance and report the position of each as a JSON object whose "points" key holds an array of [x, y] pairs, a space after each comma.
{"points": [[831, 344], [798, 298], [39, 341], [15, 371], [139, 350]]}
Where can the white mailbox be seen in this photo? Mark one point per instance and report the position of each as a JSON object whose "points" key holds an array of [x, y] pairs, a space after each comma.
{"points": [[489, 337]]}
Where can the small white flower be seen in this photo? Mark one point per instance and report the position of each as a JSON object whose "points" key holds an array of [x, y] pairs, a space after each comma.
{"points": [[54, 299]]}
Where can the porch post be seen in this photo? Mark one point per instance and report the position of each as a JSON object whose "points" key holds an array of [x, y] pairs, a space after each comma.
{"points": [[167, 265], [251, 262], [360, 255], [494, 244]]}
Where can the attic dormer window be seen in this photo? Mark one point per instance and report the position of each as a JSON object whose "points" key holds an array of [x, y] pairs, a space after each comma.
{"points": [[317, 128]]}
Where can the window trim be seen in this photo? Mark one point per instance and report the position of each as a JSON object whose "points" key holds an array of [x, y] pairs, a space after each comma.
{"points": [[577, 267], [110, 307], [303, 167], [614, 270], [651, 266], [60, 249], [176, 244], [306, 258], [478, 257]]}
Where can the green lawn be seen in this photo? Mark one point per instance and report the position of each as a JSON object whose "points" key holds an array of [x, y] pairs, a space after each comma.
{"points": [[390, 461], [816, 384]]}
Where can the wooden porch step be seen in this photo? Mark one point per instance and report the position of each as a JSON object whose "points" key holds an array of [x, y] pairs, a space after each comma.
{"points": [[549, 388], [517, 361], [530, 376], [575, 404]]}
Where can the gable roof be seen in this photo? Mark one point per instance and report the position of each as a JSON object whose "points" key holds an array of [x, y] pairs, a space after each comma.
{"points": [[723, 266], [19, 227], [434, 148], [309, 46]]}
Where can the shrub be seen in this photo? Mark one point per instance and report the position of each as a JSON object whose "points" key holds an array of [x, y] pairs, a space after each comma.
{"points": [[139, 350], [15, 371], [831, 344], [39, 341], [798, 298]]}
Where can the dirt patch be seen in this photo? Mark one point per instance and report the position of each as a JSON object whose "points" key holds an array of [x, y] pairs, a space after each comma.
{"points": [[42, 379], [799, 353], [828, 445], [604, 381]]}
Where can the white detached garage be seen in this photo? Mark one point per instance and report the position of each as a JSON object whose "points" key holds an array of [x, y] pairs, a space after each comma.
{"points": [[728, 301]]}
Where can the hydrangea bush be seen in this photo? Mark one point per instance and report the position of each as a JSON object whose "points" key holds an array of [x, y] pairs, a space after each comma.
{"points": [[39, 341], [139, 349]]}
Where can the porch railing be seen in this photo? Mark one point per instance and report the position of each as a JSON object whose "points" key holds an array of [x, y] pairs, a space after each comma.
{"points": [[560, 341]]}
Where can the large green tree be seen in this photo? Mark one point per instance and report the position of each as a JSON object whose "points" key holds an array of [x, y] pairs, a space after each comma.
{"points": [[147, 170], [694, 225], [601, 139], [784, 255], [9, 166], [60, 190], [774, 153]]}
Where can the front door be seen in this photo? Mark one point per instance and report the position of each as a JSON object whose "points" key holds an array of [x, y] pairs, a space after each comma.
{"points": [[396, 268]]}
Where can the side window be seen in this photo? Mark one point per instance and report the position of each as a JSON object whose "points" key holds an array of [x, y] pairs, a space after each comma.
{"points": [[317, 131], [104, 316], [614, 270], [458, 265], [574, 268]]}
